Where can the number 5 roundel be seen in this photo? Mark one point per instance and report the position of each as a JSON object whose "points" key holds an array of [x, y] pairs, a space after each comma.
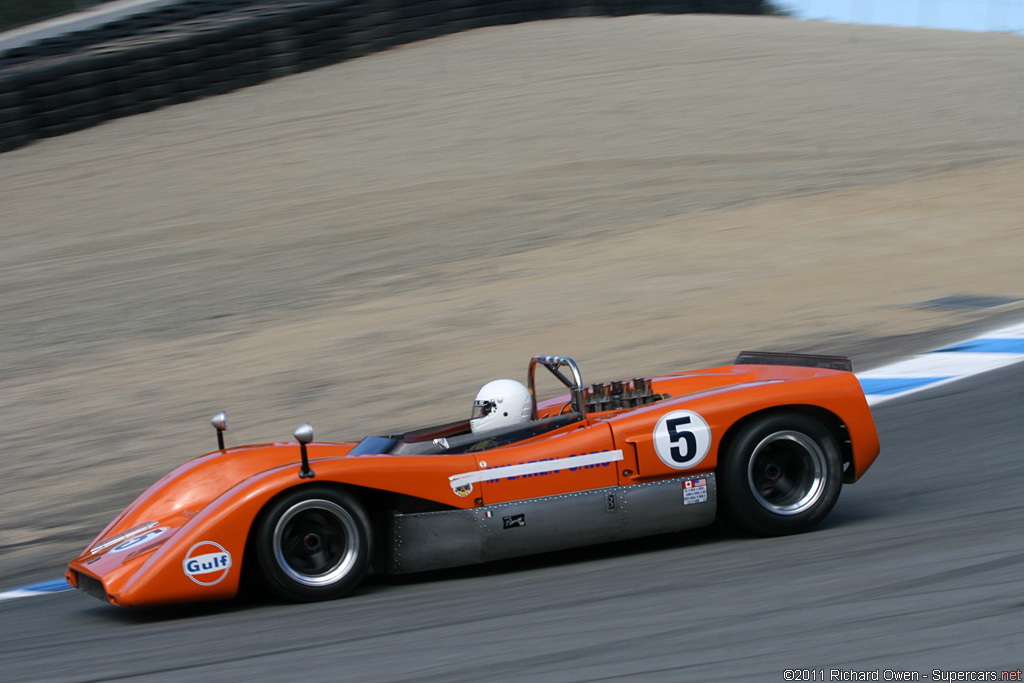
{"points": [[681, 439]]}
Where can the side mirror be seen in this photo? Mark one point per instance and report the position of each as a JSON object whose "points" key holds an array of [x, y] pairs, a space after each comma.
{"points": [[220, 423], [304, 434]]}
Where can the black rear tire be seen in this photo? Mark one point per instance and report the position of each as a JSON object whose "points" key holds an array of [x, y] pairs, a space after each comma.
{"points": [[313, 543], [781, 474]]}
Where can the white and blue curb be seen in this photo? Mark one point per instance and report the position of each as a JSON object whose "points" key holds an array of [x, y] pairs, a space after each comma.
{"points": [[36, 589], [991, 351]]}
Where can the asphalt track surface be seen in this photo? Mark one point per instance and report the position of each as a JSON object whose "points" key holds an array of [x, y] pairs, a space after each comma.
{"points": [[917, 569]]}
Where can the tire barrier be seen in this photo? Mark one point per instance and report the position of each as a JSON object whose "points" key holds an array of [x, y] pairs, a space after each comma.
{"points": [[200, 48]]}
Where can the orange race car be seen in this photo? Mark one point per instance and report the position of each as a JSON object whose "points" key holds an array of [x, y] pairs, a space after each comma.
{"points": [[766, 444]]}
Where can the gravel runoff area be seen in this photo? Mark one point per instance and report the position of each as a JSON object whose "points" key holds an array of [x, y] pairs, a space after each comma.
{"points": [[363, 246]]}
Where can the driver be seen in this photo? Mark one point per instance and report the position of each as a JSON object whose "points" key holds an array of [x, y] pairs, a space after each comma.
{"points": [[501, 403]]}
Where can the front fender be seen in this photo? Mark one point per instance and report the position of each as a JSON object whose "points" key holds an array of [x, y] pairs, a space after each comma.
{"points": [[197, 561], [198, 556]]}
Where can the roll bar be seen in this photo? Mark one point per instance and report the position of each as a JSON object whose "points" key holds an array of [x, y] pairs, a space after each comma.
{"points": [[575, 383]]}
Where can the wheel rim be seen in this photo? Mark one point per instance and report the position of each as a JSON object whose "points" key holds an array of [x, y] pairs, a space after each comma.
{"points": [[786, 472], [316, 542]]}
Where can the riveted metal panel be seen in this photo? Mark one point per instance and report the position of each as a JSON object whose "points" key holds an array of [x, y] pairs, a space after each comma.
{"points": [[659, 506], [432, 540], [550, 523]]}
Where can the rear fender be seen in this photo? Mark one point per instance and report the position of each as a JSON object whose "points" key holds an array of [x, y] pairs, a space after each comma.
{"points": [[835, 397], [830, 420]]}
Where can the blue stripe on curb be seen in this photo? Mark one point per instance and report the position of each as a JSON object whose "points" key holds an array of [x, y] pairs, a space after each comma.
{"points": [[49, 587], [986, 345]]}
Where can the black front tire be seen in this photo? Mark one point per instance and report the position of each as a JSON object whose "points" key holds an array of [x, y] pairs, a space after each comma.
{"points": [[313, 543], [781, 474]]}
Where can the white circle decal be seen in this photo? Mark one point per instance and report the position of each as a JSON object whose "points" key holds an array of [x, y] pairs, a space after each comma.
{"points": [[138, 540], [207, 563], [681, 439]]}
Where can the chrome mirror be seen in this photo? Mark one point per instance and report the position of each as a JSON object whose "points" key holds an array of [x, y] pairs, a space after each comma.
{"points": [[304, 434], [220, 423]]}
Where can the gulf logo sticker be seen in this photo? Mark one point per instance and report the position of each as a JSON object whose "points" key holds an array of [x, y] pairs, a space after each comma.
{"points": [[207, 563]]}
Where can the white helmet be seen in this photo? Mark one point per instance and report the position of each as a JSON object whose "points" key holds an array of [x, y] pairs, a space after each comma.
{"points": [[501, 403]]}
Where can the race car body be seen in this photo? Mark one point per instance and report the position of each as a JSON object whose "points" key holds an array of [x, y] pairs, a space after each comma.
{"points": [[765, 443]]}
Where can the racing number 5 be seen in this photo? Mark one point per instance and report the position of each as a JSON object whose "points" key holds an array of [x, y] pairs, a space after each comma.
{"points": [[681, 439], [674, 435]]}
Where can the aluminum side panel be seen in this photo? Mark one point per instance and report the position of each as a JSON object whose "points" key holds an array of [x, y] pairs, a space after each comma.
{"points": [[551, 523], [659, 507], [432, 540]]}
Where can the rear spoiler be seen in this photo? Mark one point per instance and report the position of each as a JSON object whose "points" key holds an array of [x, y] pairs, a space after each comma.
{"points": [[802, 360]]}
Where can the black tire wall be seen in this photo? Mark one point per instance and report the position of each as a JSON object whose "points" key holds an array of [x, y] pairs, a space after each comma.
{"points": [[199, 48]]}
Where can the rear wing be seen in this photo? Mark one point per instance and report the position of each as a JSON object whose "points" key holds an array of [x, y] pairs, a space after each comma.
{"points": [[802, 360]]}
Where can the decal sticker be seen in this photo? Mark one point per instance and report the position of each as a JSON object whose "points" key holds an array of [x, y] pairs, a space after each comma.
{"points": [[695, 491], [138, 540], [464, 490], [206, 563], [513, 521], [681, 439], [535, 468]]}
